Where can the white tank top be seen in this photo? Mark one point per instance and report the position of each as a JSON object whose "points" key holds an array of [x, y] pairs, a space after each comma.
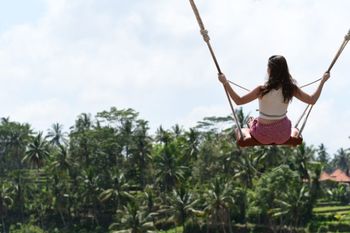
{"points": [[271, 105]]}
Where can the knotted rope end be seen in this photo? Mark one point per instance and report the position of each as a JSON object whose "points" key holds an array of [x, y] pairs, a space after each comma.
{"points": [[347, 36], [205, 35]]}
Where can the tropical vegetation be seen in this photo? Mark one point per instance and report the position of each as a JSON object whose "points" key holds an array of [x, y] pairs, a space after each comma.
{"points": [[109, 173]]}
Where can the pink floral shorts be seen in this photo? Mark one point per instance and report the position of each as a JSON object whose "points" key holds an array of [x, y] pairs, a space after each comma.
{"points": [[275, 133]]}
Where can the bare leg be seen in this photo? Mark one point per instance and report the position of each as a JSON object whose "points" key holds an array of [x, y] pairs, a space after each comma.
{"points": [[245, 132], [250, 122], [295, 132]]}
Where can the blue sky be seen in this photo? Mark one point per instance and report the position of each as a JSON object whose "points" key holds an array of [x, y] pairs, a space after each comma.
{"points": [[19, 12], [59, 58]]}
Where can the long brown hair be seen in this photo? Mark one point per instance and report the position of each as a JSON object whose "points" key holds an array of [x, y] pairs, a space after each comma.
{"points": [[279, 76]]}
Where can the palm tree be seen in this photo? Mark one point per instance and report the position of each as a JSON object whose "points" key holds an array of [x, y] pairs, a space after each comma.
{"points": [[37, 151], [177, 130], [14, 139], [339, 194], [61, 195], [291, 206], [342, 160], [193, 141], [315, 170], [181, 204], [36, 154], [61, 167], [90, 192], [323, 156], [163, 136], [303, 157], [218, 202], [242, 118], [168, 171], [79, 136], [124, 121], [245, 165], [62, 162], [126, 131], [141, 151], [5, 120], [119, 192], [56, 135], [149, 199], [270, 157], [134, 220], [6, 202], [83, 122]]}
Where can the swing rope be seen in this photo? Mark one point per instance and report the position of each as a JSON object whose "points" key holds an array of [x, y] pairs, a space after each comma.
{"points": [[206, 38], [309, 107]]}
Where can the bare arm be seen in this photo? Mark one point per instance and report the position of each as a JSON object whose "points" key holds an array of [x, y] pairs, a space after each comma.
{"points": [[252, 95], [311, 99]]}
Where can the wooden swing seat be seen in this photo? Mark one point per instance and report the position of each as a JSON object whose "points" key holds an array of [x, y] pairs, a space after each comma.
{"points": [[247, 141]]}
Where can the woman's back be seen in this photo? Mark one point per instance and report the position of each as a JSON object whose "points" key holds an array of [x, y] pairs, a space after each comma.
{"points": [[272, 105]]}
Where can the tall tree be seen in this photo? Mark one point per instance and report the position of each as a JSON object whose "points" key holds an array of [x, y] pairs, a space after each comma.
{"points": [[89, 193], [118, 192], [323, 155], [79, 138], [56, 135], [62, 162], [163, 136], [6, 201], [169, 171], [133, 220], [304, 155], [181, 204], [219, 200], [290, 206], [141, 152], [342, 160], [14, 138], [38, 151], [193, 141]]}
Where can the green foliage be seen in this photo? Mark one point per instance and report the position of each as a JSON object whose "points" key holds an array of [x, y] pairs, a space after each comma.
{"points": [[339, 193], [108, 171], [175, 230], [192, 227], [133, 219], [281, 195], [26, 228], [14, 138], [330, 226]]}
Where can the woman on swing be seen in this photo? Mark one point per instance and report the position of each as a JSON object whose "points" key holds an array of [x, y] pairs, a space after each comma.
{"points": [[273, 126]]}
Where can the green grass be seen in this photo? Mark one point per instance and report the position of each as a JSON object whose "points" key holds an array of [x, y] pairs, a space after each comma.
{"points": [[334, 213], [328, 209], [177, 230], [329, 203], [332, 208]]}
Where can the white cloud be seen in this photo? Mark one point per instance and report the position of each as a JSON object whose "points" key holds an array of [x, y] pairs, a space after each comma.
{"points": [[328, 125], [198, 113], [43, 114]]}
